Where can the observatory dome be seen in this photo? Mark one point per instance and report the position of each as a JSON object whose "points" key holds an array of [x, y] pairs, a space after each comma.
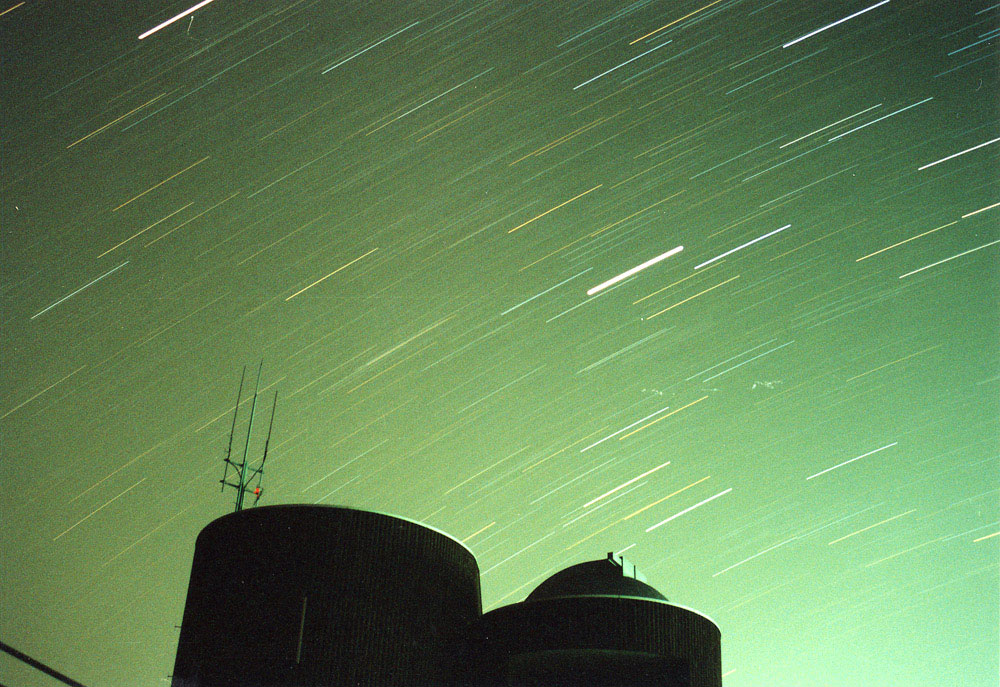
{"points": [[611, 576], [599, 624]]}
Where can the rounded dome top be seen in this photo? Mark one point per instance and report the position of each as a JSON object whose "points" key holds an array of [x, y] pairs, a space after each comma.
{"points": [[611, 576]]}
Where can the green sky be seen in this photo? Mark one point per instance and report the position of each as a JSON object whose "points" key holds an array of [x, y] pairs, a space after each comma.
{"points": [[400, 209]]}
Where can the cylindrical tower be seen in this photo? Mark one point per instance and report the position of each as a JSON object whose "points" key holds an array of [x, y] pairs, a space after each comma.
{"points": [[599, 624], [315, 596]]}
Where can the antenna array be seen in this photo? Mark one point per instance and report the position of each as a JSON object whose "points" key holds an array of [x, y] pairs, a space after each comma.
{"points": [[242, 479]]}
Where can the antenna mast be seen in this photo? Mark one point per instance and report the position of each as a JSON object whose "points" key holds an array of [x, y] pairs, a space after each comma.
{"points": [[243, 480]]}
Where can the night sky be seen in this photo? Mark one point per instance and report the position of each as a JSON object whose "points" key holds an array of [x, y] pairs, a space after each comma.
{"points": [[784, 413]]}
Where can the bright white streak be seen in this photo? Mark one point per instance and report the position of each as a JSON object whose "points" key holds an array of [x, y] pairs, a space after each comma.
{"points": [[760, 553], [600, 441], [518, 553], [64, 298], [638, 268], [373, 45], [551, 288], [689, 509], [622, 486], [839, 121], [99, 509], [606, 503], [748, 243], [858, 128], [840, 465], [708, 379], [839, 21], [168, 22], [624, 63], [688, 379], [976, 212], [934, 264], [428, 102], [967, 150]]}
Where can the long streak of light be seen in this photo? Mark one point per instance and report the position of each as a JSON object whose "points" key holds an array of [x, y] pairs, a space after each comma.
{"points": [[688, 509], [24, 403], [676, 21], [668, 496], [906, 241], [831, 25], [863, 455], [620, 65], [988, 536], [625, 493], [331, 274], [649, 317], [428, 102], [373, 45], [759, 553], [115, 121], [188, 221], [614, 434], [859, 128], [953, 155], [625, 350], [504, 387], [900, 553], [537, 295], [190, 10], [661, 290], [976, 212], [748, 243], [91, 283], [151, 188], [662, 417], [114, 472], [940, 262], [146, 536], [865, 529], [486, 469], [143, 231], [479, 531], [839, 121], [518, 553], [708, 379], [898, 360], [727, 360], [524, 224], [11, 9], [416, 336], [638, 268], [99, 509], [622, 486], [341, 467]]}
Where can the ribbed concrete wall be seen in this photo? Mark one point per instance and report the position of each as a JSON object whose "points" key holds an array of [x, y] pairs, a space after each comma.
{"points": [[564, 638], [316, 596]]}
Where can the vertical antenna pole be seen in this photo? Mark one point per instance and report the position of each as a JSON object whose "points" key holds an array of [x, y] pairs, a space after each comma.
{"points": [[243, 466], [259, 472], [270, 426], [232, 429]]}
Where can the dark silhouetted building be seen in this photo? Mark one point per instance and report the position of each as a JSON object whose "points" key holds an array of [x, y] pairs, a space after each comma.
{"points": [[324, 596], [599, 624]]}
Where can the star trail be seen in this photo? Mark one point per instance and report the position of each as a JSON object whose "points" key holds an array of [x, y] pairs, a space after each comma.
{"points": [[716, 284]]}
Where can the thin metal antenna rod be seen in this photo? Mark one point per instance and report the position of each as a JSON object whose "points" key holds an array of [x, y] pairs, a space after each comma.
{"points": [[270, 426], [38, 665], [259, 472], [243, 465], [232, 429]]}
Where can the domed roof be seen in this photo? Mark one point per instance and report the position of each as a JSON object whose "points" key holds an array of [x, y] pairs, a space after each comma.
{"points": [[611, 576]]}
